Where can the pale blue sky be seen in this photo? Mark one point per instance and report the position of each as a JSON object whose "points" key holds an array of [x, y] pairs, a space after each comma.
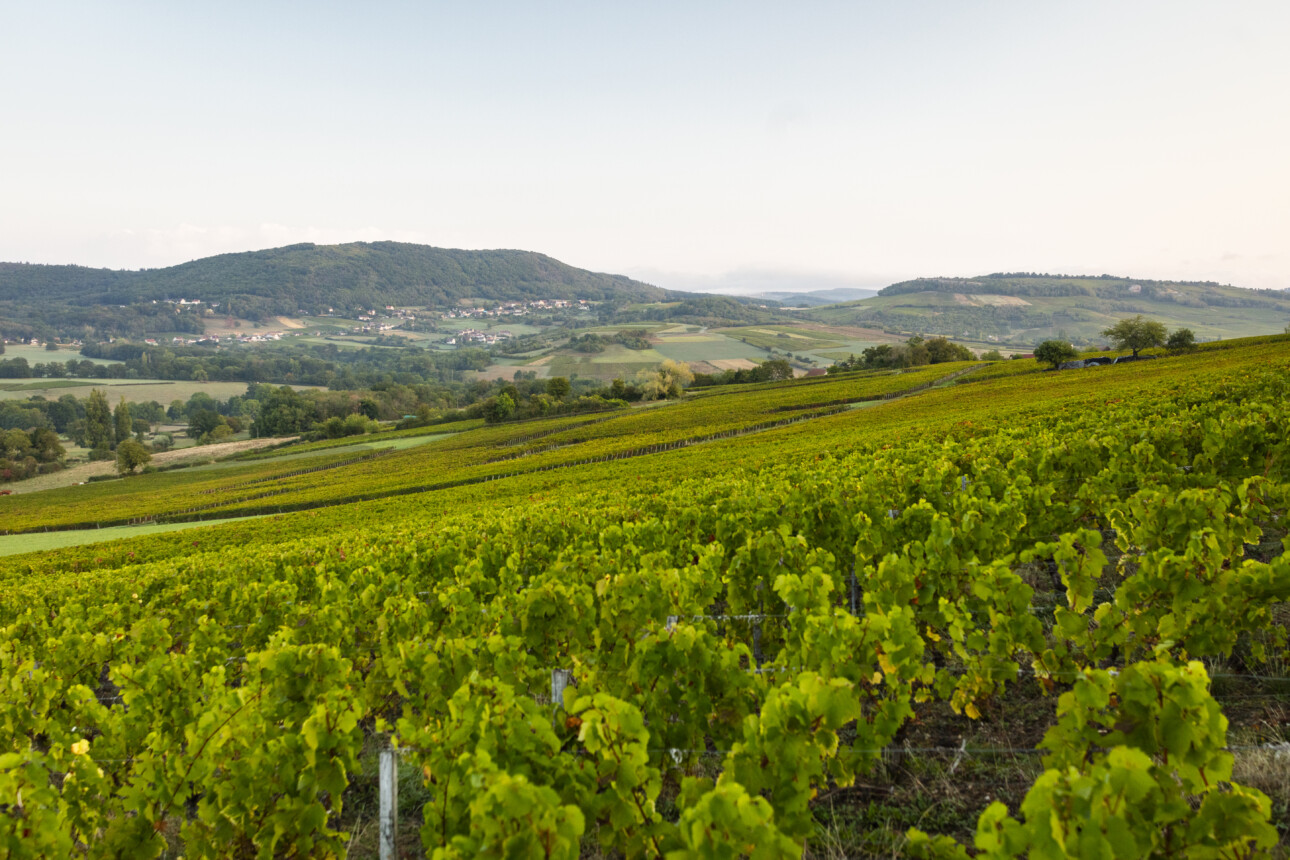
{"points": [[691, 144]]}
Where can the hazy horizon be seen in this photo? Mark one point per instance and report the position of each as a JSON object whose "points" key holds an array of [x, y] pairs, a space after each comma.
{"points": [[743, 282], [848, 144]]}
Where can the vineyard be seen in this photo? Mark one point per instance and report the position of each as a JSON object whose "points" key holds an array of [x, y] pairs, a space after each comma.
{"points": [[690, 630], [480, 454]]}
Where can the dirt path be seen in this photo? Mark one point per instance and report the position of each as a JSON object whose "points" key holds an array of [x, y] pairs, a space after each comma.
{"points": [[84, 471]]}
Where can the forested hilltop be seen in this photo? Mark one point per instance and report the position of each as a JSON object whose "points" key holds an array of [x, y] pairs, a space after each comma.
{"points": [[305, 277], [1025, 307]]}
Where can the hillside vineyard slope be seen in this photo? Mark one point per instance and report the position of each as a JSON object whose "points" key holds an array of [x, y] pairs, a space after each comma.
{"points": [[751, 629]]}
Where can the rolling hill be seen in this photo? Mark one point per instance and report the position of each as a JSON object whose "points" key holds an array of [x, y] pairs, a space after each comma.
{"points": [[260, 284], [1027, 308]]}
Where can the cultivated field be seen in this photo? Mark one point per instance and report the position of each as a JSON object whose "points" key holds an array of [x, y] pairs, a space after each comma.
{"points": [[40, 355], [134, 390], [82, 472]]}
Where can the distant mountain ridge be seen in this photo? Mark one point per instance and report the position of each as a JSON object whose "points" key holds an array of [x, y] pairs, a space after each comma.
{"points": [[829, 296], [1024, 308], [313, 278]]}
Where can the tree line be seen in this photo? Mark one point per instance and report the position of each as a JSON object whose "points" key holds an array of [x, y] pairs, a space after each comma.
{"points": [[773, 370], [25, 454], [1134, 334], [914, 352], [322, 365]]}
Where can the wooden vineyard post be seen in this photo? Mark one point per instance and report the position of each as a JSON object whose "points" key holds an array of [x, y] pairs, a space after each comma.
{"points": [[853, 586], [559, 680], [389, 779]]}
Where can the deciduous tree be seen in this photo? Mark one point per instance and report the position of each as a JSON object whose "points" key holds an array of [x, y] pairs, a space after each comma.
{"points": [[668, 381], [1055, 352], [940, 350], [1136, 333], [130, 455], [499, 408], [1181, 340], [557, 387]]}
